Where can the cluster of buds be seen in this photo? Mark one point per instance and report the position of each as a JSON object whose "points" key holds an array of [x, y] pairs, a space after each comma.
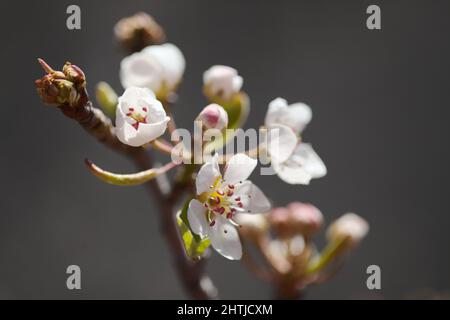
{"points": [[61, 88], [138, 31], [283, 237]]}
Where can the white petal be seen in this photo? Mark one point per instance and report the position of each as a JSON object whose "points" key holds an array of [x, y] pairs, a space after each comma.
{"points": [[152, 131], [281, 142], [310, 160], [252, 198], [297, 117], [171, 60], [276, 108], [197, 219], [140, 70], [239, 168], [128, 135], [225, 239], [207, 176], [291, 173]]}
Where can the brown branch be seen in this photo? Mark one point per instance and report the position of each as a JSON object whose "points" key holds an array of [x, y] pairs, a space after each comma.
{"points": [[93, 120]]}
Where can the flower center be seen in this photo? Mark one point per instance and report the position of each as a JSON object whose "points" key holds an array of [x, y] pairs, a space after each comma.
{"points": [[138, 116], [222, 201]]}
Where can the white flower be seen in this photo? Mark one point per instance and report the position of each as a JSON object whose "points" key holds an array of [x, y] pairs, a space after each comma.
{"points": [[350, 226], [295, 116], [140, 117], [294, 162], [220, 198], [213, 116], [157, 67], [222, 81]]}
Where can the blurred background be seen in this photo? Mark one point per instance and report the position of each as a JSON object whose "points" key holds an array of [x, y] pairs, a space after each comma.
{"points": [[380, 101]]}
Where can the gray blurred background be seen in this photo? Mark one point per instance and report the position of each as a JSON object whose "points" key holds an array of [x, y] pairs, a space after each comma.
{"points": [[380, 101]]}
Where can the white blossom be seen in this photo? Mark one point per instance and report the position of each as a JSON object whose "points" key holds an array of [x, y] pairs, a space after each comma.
{"points": [[157, 67], [222, 81], [140, 117], [220, 198], [297, 163]]}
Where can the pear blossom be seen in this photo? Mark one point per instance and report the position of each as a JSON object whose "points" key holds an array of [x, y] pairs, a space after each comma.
{"points": [[157, 67], [221, 198], [222, 81], [140, 117], [213, 116], [301, 163]]}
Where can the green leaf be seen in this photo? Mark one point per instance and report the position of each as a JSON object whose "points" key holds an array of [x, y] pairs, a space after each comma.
{"points": [[194, 245]]}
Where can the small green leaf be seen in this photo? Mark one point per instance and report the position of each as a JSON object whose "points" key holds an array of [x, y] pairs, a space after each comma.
{"points": [[132, 179], [106, 98]]}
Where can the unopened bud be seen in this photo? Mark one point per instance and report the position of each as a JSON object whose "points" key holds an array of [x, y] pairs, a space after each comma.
{"points": [[213, 116], [252, 225], [350, 226], [138, 31], [221, 82], [61, 88], [297, 218], [306, 217]]}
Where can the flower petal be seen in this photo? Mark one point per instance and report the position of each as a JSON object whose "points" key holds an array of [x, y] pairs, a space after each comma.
{"points": [[197, 219], [311, 160], [207, 175], [298, 116], [128, 135], [171, 60], [291, 173], [281, 142], [239, 168], [301, 167], [225, 239], [276, 108], [151, 131], [140, 70], [252, 198]]}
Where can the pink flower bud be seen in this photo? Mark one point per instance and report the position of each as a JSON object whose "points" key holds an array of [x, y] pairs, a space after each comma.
{"points": [[213, 116], [308, 218], [297, 218]]}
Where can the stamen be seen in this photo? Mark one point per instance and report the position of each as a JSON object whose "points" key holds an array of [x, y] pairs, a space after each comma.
{"points": [[144, 109], [212, 223], [231, 186], [238, 199]]}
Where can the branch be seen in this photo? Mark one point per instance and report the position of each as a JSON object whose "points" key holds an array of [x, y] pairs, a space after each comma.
{"points": [[94, 121]]}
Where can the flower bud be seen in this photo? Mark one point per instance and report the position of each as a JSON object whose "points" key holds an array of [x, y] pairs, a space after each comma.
{"points": [[221, 82], [349, 226], [61, 88], [213, 116], [138, 31], [307, 217], [252, 225], [297, 218]]}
